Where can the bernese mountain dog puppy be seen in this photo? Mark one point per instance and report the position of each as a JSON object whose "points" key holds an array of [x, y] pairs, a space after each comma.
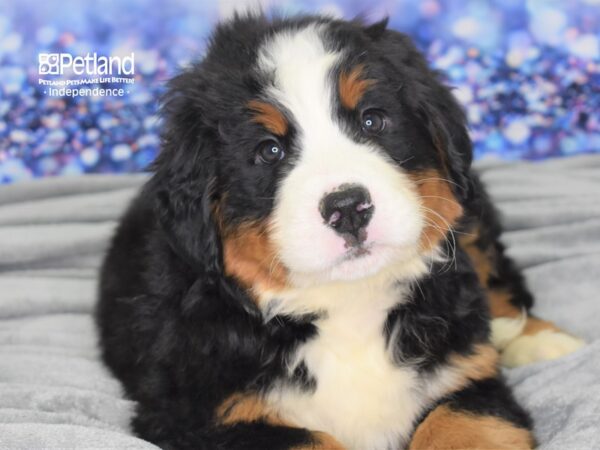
{"points": [[313, 263]]}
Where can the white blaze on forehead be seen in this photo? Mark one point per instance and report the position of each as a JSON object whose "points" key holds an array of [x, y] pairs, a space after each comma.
{"points": [[301, 67]]}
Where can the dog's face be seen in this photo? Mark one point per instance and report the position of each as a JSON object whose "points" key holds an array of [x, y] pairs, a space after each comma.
{"points": [[310, 151]]}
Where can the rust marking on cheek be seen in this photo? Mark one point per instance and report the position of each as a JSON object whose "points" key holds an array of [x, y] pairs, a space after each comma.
{"points": [[352, 87], [440, 207], [250, 257], [445, 428], [269, 117]]}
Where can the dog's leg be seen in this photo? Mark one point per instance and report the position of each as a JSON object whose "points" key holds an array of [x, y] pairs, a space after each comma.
{"points": [[482, 416], [250, 408], [240, 423], [521, 337]]}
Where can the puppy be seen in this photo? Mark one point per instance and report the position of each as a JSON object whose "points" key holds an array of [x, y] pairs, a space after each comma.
{"points": [[313, 263]]}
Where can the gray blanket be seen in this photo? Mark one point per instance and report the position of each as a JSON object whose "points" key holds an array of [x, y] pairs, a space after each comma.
{"points": [[54, 391]]}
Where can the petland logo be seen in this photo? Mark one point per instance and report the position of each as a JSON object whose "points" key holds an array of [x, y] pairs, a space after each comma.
{"points": [[90, 64], [98, 70]]}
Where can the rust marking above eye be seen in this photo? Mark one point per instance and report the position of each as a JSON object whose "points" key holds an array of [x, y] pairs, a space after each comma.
{"points": [[269, 116], [352, 87]]}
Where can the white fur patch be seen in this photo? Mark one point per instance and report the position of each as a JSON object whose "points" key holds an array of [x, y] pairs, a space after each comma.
{"points": [[301, 68], [362, 398], [517, 349], [545, 345]]}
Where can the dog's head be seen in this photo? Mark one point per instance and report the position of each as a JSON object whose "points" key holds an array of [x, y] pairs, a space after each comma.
{"points": [[309, 151]]}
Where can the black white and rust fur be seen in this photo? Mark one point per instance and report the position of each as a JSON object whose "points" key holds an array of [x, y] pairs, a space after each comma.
{"points": [[313, 263]]}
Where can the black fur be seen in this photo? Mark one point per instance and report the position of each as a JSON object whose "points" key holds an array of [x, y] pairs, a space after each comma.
{"points": [[481, 213], [490, 397], [181, 335], [447, 313]]}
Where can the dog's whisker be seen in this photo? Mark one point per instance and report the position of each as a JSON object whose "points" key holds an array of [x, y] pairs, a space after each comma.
{"points": [[405, 160], [444, 234], [450, 231]]}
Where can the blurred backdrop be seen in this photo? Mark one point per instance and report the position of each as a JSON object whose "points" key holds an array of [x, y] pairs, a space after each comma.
{"points": [[526, 71]]}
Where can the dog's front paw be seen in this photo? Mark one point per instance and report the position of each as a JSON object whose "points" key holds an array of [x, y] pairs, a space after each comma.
{"points": [[545, 345]]}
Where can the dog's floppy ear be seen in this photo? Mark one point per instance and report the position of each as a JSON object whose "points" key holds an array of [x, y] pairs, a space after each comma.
{"points": [[432, 101], [446, 123], [184, 179]]}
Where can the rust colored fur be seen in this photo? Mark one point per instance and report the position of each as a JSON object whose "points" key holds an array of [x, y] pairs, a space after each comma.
{"points": [[251, 408], [269, 116], [352, 87], [440, 207], [499, 299], [480, 365], [251, 258], [445, 429], [245, 408]]}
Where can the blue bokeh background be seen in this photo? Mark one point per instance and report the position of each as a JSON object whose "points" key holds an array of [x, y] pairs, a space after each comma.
{"points": [[526, 71]]}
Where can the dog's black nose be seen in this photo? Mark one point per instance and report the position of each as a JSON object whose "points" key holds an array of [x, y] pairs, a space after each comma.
{"points": [[348, 210]]}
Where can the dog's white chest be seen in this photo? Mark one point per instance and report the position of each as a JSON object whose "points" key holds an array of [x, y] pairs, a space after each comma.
{"points": [[361, 397]]}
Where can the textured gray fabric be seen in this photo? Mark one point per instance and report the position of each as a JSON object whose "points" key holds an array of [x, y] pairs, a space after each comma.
{"points": [[54, 393]]}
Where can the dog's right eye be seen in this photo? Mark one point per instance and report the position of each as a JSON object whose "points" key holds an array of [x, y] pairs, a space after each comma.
{"points": [[373, 121], [269, 152]]}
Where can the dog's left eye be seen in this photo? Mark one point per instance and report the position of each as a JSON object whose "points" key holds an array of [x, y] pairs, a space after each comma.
{"points": [[269, 152], [373, 121]]}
